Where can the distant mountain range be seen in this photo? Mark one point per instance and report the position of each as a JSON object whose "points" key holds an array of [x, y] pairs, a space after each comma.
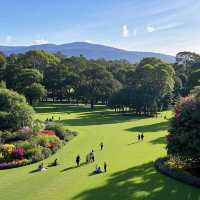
{"points": [[91, 51]]}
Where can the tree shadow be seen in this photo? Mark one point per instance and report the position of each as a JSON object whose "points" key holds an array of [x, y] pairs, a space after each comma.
{"points": [[96, 118], [73, 167], [162, 126], [160, 140], [100, 114], [140, 183]]}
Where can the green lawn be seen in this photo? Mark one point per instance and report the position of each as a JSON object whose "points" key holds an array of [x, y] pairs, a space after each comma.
{"points": [[131, 174]]}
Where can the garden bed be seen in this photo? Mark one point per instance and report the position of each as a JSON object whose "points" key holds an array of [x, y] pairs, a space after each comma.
{"points": [[188, 176], [24, 146]]}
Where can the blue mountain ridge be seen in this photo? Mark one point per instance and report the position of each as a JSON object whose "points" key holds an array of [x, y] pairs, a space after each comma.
{"points": [[89, 50]]}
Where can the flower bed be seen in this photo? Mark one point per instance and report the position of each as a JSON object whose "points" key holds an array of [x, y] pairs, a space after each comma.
{"points": [[25, 146], [14, 164], [179, 175]]}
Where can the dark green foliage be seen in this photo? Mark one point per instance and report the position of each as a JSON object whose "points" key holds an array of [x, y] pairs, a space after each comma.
{"points": [[183, 140], [34, 92], [149, 89]]}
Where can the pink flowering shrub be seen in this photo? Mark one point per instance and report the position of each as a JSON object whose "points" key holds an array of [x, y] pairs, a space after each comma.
{"points": [[183, 140], [18, 153]]}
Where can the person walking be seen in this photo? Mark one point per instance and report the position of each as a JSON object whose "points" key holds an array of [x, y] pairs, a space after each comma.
{"points": [[101, 145], [142, 136], [78, 159], [105, 167], [138, 137]]}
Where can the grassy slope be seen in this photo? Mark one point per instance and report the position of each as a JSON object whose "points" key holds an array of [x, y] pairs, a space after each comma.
{"points": [[130, 164]]}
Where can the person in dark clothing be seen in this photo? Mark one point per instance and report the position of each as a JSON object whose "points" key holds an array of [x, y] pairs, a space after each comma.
{"points": [[101, 145], [78, 159], [105, 167], [92, 156], [142, 136], [55, 163], [138, 137]]}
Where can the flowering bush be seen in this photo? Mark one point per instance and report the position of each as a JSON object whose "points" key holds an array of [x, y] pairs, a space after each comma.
{"points": [[47, 132], [183, 140], [6, 150], [18, 153]]}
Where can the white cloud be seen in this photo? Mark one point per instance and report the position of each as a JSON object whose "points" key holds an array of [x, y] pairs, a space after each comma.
{"points": [[9, 38], [88, 41], [150, 29], [40, 41], [125, 31]]}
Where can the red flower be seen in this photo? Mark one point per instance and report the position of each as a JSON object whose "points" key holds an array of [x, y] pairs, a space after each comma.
{"points": [[47, 132]]}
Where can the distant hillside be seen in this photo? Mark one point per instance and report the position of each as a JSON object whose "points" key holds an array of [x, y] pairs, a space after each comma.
{"points": [[89, 50]]}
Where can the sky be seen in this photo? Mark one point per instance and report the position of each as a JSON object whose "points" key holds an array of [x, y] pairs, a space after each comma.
{"points": [[165, 26]]}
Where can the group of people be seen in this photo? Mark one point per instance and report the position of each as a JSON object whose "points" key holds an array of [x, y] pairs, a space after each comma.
{"points": [[98, 169], [140, 136], [90, 157]]}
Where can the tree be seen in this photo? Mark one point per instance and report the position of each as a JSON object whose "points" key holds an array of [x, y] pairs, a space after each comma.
{"points": [[34, 92], [183, 141], [38, 59], [2, 65], [14, 111], [97, 83]]}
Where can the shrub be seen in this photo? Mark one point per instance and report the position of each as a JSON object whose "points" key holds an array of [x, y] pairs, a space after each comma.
{"points": [[35, 154], [183, 141], [14, 111], [58, 129], [47, 132], [6, 150], [46, 140], [37, 126], [18, 153], [26, 145], [46, 152]]}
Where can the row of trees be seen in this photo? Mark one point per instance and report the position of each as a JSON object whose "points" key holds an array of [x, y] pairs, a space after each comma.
{"points": [[144, 88]]}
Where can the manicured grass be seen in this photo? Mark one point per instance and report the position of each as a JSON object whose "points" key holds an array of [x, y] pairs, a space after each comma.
{"points": [[130, 175]]}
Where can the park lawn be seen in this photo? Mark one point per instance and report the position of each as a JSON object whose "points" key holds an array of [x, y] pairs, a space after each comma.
{"points": [[130, 175]]}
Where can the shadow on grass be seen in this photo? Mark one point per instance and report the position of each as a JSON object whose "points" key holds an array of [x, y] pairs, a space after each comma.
{"points": [[73, 167], [140, 183], [96, 118], [100, 115], [162, 126], [160, 140], [64, 108]]}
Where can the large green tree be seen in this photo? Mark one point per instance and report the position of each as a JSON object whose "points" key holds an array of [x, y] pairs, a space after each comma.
{"points": [[34, 92], [14, 111]]}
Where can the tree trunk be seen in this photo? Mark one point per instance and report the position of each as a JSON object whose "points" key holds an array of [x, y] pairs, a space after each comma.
{"points": [[92, 104]]}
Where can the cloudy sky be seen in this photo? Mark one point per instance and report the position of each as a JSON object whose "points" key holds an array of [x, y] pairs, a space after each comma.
{"points": [[143, 25]]}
